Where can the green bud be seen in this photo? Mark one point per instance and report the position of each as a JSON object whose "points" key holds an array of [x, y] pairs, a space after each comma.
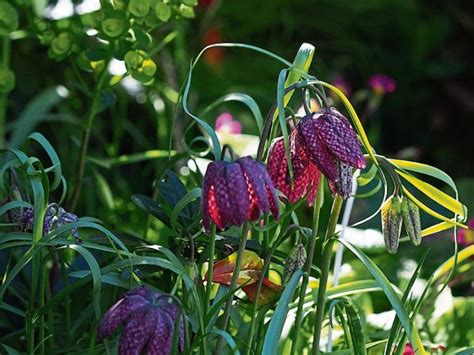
{"points": [[294, 261], [115, 24], [190, 2], [163, 12], [391, 223], [186, 11], [139, 8], [411, 220], [8, 19], [140, 65], [61, 46], [7, 80]]}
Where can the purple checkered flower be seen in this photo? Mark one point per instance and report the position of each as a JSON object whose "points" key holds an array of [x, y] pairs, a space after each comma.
{"points": [[67, 218], [149, 320], [27, 219], [332, 145], [235, 192]]}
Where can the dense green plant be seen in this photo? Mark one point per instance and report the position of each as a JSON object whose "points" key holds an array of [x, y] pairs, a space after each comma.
{"points": [[210, 257]]}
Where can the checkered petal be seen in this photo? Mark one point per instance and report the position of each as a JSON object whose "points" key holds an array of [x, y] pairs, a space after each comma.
{"points": [[343, 186], [210, 209], [255, 188], [316, 148], [174, 312], [161, 340], [337, 134], [237, 191], [270, 189], [138, 331], [119, 312]]}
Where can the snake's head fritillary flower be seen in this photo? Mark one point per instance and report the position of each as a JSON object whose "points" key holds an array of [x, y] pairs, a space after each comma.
{"points": [[382, 84], [305, 174], [332, 145], [225, 124], [235, 192], [149, 320]]}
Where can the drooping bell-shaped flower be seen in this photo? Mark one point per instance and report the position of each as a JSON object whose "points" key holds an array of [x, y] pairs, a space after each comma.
{"points": [[235, 192], [332, 145], [305, 174], [149, 319]]}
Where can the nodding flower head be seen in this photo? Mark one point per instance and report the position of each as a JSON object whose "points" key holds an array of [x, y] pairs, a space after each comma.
{"points": [[305, 174], [382, 84], [235, 192], [149, 320], [332, 145]]}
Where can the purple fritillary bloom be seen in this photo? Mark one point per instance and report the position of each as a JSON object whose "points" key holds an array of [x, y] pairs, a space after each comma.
{"points": [[382, 84], [305, 174], [225, 123], [27, 219], [332, 145], [149, 321], [235, 192], [67, 218]]}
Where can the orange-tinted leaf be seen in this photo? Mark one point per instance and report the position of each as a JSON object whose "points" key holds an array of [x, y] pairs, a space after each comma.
{"points": [[268, 293], [249, 271]]}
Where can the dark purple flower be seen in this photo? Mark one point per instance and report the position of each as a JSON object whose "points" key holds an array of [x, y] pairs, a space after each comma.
{"points": [[27, 219], [67, 218], [234, 192], [332, 145], [382, 84], [305, 174], [149, 319]]}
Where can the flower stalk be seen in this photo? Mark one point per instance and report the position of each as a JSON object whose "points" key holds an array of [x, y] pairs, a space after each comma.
{"points": [[325, 264], [210, 270]]}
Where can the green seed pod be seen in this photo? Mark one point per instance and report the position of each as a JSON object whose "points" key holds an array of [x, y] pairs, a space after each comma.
{"points": [[8, 19], [391, 223], [139, 8], [61, 46], [411, 220], [294, 261], [7, 80], [163, 12], [114, 24]]}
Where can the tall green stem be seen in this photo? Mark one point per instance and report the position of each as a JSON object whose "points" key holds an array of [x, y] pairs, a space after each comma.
{"points": [[325, 264], [210, 269], [85, 139], [309, 263], [5, 61], [233, 285]]}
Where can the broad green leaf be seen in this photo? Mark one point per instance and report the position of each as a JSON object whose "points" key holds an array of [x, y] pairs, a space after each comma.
{"points": [[272, 338], [190, 196], [387, 288], [104, 191], [435, 194], [449, 264]]}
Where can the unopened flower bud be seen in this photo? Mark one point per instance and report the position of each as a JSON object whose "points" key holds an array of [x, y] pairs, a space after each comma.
{"points": [[391, 223], [295, 260], [411, 220], [8, 19]]}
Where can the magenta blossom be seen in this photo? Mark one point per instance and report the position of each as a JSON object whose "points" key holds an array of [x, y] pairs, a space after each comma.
{"points": [[341, 83], [382, 84], [466, 236], [149, 319], [332, 145], [305, 174], [235, 192], [225, 123]]}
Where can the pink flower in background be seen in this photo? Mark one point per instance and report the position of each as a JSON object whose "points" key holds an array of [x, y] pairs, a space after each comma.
{"points": [[225, 124], [382, 84], [408, 350], [341, 83], [466, 236]]}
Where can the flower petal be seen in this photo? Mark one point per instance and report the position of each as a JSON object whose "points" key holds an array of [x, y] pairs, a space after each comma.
{"points": [[238, 196], [138, 331], [161, 340], [317, 149], [210, 209], [174, 312], [338, 135], [255, 187], [343, 186], [119, 312]]}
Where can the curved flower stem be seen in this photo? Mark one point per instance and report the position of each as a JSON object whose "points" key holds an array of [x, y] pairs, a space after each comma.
{"points": [[233, 285], [325, 264], [309, 263], [210, 269], [85, 139]]}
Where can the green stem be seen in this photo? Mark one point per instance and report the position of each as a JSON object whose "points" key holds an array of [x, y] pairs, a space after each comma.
{"points": [[325, 264], [3, 97], [86, 138], [233, 285], [210, 269], [309, 263]]}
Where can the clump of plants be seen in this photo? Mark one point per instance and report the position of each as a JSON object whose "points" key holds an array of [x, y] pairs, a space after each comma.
{"points": [[240, 272]]}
